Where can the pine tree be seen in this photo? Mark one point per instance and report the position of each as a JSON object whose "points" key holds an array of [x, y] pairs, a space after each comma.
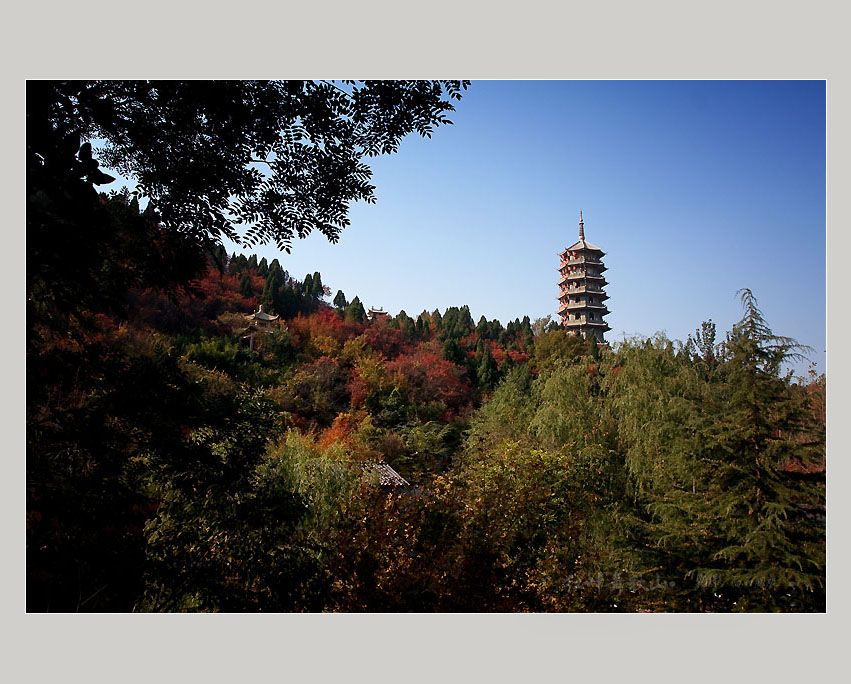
{"points": [[452, 352], [273, 282], [340, 300], [317, 290], [708, 455], [764, 539], [487, 371], [355, 311], [245, 288]]}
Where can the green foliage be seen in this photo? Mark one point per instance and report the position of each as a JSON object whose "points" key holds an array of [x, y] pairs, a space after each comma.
{"points": [[556, 347], [487, 372], [340, 300], [355, 311]]}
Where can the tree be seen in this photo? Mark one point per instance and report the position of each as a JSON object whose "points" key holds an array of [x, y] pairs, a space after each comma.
{"points": [[317, 289], [708, 454], [340, 300], [281, 157], [702, 345], [355, 311], [263, 268], [539, 325], [487, 371], [245, 285]]}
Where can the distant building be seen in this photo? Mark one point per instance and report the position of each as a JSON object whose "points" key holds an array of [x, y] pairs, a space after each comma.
{"points": [[581, 283], [259, 322], [374, 314]]}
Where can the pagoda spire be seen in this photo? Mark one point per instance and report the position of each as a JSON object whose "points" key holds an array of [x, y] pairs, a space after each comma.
{"points": [[581, 226]]}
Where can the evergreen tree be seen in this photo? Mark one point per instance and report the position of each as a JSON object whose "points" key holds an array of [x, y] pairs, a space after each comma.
{"points": [[410, 328], [487, 371], [263, 268], [340, 300], [317, 290], [452, 352], [273, 283], [245, 288], [355, 311], [482, 327], [233, 264], [437, 319], [708, 455], [307, 286]]}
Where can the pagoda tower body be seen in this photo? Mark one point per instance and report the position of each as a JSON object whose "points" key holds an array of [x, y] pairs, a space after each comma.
{"points": [[581, 282]]}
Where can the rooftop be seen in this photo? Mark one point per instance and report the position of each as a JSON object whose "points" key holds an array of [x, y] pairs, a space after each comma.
{"points": [[261, 315]]}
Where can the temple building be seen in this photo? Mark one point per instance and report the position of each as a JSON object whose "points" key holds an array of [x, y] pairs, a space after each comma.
{"points": [[581, 283], [374, 314]]}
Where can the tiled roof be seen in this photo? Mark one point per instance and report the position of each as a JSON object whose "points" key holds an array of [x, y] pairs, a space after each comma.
{"points": [[583, 244], [386, 475], [262, 316]]}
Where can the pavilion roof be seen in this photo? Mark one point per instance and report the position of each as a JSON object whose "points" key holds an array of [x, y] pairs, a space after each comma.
{"points": [[262, 315]]}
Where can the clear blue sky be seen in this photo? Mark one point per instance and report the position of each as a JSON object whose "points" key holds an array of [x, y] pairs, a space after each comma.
{"points": [[694, 189]]}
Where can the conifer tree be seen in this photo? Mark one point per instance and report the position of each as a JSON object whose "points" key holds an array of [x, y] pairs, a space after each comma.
{"points": [[340, 300], [709, 455], [317, 290], [438, 320], [452, 352], [482, 327], [245, 288], [487, 371], [355, 311], [273, 283]]}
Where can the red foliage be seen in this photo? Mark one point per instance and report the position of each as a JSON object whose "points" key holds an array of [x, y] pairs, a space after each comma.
{"points": [[425, 378], [323, 323], [196, 307], [388, 341], [358, 389]]}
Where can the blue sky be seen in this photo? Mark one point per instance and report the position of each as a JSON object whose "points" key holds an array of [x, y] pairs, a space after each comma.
{"points": [[694, 189]]}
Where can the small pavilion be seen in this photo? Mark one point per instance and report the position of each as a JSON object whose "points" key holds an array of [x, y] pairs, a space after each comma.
{"points": [[259, 322]]}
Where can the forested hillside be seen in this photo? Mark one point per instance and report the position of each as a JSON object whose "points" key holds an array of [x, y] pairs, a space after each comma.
{"points": [[170, 468], [173, 466]]}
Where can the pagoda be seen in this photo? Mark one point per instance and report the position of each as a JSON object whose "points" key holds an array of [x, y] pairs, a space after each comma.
{"points": [[581, 283]]}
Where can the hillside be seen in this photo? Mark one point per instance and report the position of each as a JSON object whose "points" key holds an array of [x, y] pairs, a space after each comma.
{"points": [[172, 468]]}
